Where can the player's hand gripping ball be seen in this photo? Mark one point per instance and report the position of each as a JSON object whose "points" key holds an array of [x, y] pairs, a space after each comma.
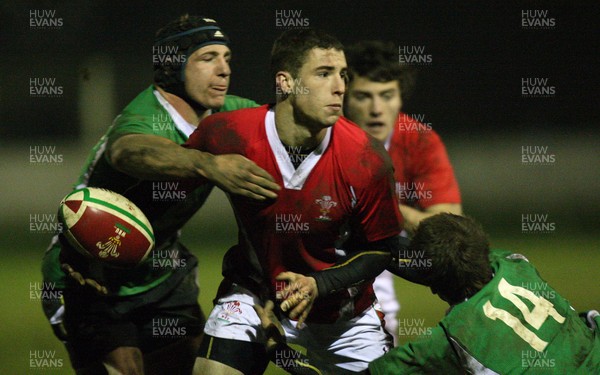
{"points": [[106, 226]]}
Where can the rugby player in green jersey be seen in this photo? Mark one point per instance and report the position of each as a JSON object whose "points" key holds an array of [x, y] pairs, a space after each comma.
{"points": [[504, 318], [147, 320]]}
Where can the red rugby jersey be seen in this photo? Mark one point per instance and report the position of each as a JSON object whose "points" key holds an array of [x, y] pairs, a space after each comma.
{"points": [[422, 170], [341, 196]]}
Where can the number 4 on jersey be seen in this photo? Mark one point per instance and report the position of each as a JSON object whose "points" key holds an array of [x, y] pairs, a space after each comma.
{"points": [[535, 317]]}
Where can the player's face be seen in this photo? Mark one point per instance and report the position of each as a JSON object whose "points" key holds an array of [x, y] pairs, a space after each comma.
{"points": [[374, 106], [317, 93], [207, 75]]}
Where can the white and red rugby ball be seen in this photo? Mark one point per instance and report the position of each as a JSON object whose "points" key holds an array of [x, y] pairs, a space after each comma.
{"points": [[106, 226]]}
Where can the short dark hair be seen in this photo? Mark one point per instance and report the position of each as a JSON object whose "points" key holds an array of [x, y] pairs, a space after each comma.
{"points": [[459, 252], [379, 62], [291, 47]]}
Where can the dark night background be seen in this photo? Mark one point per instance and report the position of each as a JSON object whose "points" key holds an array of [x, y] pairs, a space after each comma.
{"points": [[101, 56], [479, 53]]}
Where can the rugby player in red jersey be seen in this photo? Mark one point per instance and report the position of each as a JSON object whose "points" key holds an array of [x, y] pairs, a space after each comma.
{"points": [[337, 193], [425, 182]]}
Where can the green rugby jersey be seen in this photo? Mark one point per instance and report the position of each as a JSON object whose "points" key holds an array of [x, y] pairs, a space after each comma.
{"points": [[167, 204], [516, 324]]}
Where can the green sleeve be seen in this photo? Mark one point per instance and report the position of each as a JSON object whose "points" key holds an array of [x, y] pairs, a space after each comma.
{"points": [[143, 115], [432, 355], [124, 125], [233, 102]]}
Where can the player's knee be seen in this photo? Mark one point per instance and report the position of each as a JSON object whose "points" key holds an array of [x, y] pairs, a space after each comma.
{"points": [[124, 361]]}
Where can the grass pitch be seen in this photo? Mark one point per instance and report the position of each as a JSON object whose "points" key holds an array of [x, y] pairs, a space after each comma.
{"points": [[568, 263]]}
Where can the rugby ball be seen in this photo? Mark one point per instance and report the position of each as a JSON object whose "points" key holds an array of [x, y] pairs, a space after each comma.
{"points": [[106, 226]]}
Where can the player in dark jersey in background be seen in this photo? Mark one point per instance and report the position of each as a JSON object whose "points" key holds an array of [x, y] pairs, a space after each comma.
{"points": [[425, 182], [119, 330], [504, 318], [337, 194]]}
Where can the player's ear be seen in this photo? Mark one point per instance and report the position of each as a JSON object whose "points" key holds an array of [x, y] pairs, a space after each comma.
{"points": [[284, 83]]}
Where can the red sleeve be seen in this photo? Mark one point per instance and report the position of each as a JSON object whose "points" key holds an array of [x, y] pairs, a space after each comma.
{"points": [[196, 138], [218, 134], [377, 205], [432, 172]]}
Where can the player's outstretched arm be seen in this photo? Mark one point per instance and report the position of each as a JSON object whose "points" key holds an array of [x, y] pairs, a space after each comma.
{"points": [[150, 157], [302, 291], [400, 265], [360, 265]]}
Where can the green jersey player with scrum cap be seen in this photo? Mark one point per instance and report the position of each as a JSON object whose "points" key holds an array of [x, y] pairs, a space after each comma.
{"points": [[115, 328]]}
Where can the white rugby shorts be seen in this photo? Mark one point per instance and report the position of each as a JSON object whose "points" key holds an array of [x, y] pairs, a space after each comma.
{"points": [[333, 348], [383, 286]]}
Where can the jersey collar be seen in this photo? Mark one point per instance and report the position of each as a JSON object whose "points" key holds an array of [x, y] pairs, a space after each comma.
{"points": [[388, 140], [292, 178], [184, 127]]}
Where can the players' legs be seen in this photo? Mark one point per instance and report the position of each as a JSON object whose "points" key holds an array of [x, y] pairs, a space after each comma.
{"points": [[386, 295], [231, 357], [131, 361], [161, 361], [176, 358], [233, 342], [124, 360], [170, 329], [119, 335], [344, 347], [95, 334]]}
